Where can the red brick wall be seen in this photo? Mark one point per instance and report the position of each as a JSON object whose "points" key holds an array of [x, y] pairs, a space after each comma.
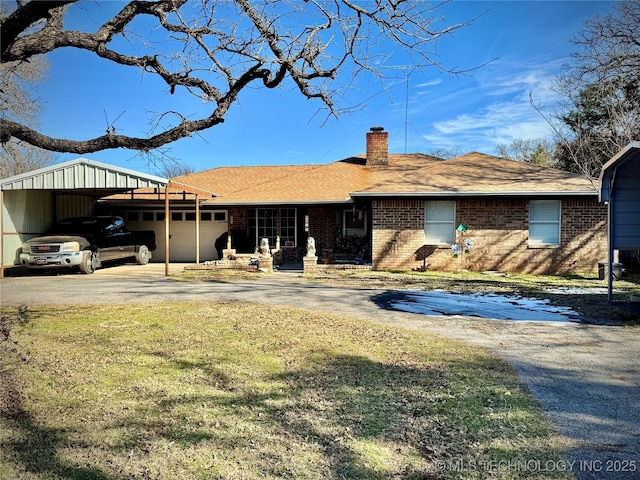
{"points": [[240, 218], [397, 233], [499, 231], [325, 224], [377, 147]]}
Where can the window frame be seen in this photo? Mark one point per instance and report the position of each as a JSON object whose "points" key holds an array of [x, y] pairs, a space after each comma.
{"points": [[452, 223], [535, 222], [261, 224], [347, 231]]}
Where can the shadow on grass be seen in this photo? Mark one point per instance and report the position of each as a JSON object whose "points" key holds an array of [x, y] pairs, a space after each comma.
{"points": [[319, 414], [359, 419], [35, 447], [362, 419]]}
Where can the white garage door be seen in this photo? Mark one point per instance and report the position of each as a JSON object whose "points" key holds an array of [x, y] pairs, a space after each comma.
{"points": [[182, 242]]}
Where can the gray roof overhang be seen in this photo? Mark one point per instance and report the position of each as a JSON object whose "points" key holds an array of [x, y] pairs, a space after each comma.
{"points": [[607, 174]]}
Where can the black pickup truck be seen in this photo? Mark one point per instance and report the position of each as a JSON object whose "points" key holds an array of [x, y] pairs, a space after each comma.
{"points": [[87, 242]]}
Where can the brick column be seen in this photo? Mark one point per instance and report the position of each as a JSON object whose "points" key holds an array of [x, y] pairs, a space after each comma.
{"points": [[265, 263], [310, 264]]}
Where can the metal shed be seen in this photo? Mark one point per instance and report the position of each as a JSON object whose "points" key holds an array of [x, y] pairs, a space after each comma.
{"points": [[620, 189]]}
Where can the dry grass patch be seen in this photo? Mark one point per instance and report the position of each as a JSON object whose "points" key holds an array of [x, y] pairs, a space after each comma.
{"points": [[221, 275], [245, 391]]}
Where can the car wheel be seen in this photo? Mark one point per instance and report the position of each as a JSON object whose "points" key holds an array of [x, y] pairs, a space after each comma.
{"points": [[143, 255], [88, 262]]}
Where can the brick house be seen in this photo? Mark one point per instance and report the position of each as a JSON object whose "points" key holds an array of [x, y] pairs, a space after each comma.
{"points": [[403, 211]]}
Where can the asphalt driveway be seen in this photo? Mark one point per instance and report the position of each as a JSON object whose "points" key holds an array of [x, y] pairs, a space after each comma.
{"points": [[587, 377]]}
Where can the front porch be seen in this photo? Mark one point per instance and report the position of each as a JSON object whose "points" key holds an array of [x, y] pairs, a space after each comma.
{"points": [[340, 232], [266, 259]]}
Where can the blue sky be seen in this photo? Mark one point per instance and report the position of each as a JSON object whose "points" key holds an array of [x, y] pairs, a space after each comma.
{"points": [[526, 43]]}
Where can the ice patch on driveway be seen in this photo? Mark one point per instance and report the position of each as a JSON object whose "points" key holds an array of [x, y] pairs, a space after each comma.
{"points": [[484, 305]]}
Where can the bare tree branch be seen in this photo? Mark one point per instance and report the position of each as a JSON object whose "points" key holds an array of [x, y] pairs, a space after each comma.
{"points": [[23, 18], [610, 44], [19, 101], [600, 91], [215, 49]]}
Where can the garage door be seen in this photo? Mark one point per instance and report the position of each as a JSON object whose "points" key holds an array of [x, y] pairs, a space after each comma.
{"points": [[182, 243]]}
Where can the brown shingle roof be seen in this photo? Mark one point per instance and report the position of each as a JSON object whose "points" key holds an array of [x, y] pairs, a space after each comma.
{"points": [[323, 183], [405, 175], [281, 184], [475, 173]]}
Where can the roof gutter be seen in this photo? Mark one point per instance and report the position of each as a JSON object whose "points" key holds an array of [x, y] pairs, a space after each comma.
{"points": [[452, 193], [221, 202]]}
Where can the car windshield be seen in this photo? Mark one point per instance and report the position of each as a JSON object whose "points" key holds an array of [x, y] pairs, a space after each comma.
{"points": [[80, 225]]}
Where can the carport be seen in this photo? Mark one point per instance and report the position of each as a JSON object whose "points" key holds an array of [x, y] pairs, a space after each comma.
{"points": [[620, 189], [31, 202]]}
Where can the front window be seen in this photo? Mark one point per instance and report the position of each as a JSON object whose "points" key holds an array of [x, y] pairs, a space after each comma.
{"points": [[354, 222], [287, 226], [272, 222], [439, 222], [544, 222]]}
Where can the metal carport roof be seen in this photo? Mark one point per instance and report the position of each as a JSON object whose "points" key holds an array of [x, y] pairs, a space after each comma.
{"points": [[82, 174]]}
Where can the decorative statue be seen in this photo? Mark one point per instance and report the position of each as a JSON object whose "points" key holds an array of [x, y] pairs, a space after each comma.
{"points": [[264, 246], [311, 247]]}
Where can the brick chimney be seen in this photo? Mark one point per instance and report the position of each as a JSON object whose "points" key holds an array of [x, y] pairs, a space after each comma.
{"points": [[377, 146]]}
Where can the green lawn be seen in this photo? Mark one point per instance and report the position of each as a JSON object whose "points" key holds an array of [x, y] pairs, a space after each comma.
{"points": [[243, 391]]}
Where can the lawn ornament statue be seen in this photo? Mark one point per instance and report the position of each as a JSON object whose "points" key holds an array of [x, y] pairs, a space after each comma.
{"points": [[264, 247], [311, 247]]}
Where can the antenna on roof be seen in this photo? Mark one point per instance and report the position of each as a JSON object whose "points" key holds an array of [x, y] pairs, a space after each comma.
{"points": [[406, 113]]}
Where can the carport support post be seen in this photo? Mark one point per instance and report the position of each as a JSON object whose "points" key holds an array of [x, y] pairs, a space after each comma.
{"points": [[197, 230], [166, 231], [1, 234]]}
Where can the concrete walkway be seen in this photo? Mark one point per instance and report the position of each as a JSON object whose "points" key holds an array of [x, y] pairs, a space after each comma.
{"points": [[587, 377]]}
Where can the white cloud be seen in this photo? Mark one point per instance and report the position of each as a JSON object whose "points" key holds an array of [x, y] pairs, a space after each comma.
{"points": [[496, 109], [537, 80], [431, 83]]}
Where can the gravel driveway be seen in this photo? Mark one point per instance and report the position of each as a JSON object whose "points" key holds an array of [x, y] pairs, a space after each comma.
{"points": [[587, 377]]}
